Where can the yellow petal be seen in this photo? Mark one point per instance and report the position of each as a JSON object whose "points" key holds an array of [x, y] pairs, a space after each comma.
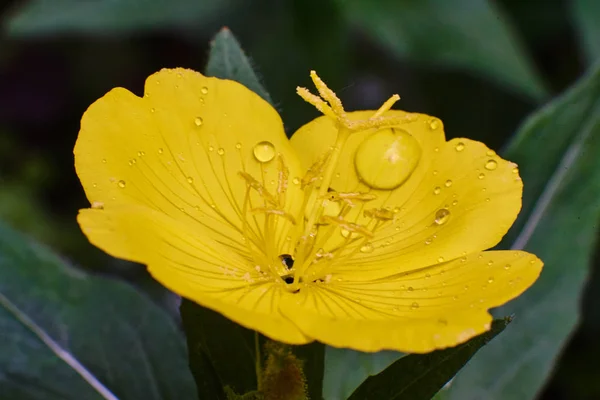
{"points": [[193, 266], [417, 312], [460, 198], [179, 149]]}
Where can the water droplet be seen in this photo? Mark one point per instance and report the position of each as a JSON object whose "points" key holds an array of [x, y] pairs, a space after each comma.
{"points": [[345, 233], [487, 199], [440, 259], [490, 263], [434, 124], [132, 162], [414, 305], [367, 248], [455, 202], [460, 146], [428, 241], [221, 151], [427, 276], [95, 185], [238, 146], [152, 110], [296, 181], [141, 154], [160, 150], [437, 190], [454, 298], [387, 158], [491, 165], [466, 287], [515, 170], [264, 152], [190, 180], [210, 148], [204, 90], [198, 121], [410, 288], [104, 161], [121, 184], [491, 279], [435, 172], [507, 266], [463, 260], [441, 216], [448, 183], [481, 175]]}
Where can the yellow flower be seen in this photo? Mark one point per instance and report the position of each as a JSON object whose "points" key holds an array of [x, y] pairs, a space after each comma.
{"points": [[365, 230]]}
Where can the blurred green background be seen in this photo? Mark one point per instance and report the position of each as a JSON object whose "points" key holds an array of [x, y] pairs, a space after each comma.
{"points": [[479, 66]]}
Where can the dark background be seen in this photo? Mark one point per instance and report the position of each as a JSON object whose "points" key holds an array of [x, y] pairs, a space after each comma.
{"points": [[47, 82]]}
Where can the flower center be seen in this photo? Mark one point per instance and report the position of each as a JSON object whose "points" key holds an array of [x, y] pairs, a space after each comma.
{"points": [[383, 161]]}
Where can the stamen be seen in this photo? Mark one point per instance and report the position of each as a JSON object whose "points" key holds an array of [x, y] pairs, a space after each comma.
{"points": [[256, 185], [349, 226], [282, 183], [381, 214], [350, 197], [315, 170], [274, 211]]}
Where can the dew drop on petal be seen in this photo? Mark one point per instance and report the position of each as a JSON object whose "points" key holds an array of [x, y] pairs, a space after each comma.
{"points": [[387, 158], [481, 175], [448, 183], [367, 248], [141, 154], [296, 181], [460, 146], [414, 305], [434, 124], [410, 289], [345, 233], [441, 216], [428, 241], [455, 202], [507, 266], [160, 150], [204, 90], [491, 279], [220, 151], [440, 259], [190, 180], [238, 146], [491, 165], [121, 184], [264, 151], [198, 121], [104, 161], [437, 190], [210, 148]]}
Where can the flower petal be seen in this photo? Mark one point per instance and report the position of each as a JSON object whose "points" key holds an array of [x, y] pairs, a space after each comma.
{"points": [[192, 266], [416, 312], [461, 198], [179, 150]]}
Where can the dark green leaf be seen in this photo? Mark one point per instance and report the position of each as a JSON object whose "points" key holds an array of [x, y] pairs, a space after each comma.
{"points": [[228, 61], [218, 348], [470, 34], [421, 376], [586, 14], [557, 149], [105, 17], [67, 335], [346, 369]]}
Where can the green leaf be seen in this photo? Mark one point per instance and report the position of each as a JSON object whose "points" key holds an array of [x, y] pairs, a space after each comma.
{"points": [[228, 61], [65, 334], [557, 149], [346, 369], [222, 353], [105, 17], [421, 376], [469, 34], [586, 14]]}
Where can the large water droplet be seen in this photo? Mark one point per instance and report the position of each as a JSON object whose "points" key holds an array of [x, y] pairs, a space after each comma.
{"points": [[441, 216], [367, 248], [264, 151], [460, 146], [121, 184], [491, 165], [387, 158], [198, 121]]}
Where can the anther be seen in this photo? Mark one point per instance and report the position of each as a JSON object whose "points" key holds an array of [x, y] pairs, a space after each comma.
{"points": [[256, 185], [382, 214], [349, 226], [274, 211]]}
